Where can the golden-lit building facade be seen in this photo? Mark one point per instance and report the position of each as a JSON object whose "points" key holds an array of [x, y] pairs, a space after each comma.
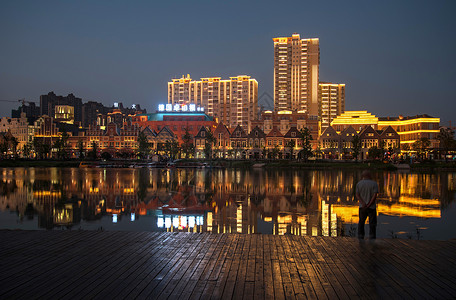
{"points": [[233, 101], [285, 120], [340, 145], [413, 128], [64, 114], [331, 102], [356, 119], [296, 71], [114, 139], [410, 129], [19, 128]]}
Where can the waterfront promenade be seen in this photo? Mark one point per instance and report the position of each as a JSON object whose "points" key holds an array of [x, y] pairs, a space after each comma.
{"points": [[144, 265]]}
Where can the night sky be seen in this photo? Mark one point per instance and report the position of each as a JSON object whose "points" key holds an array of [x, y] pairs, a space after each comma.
{"points": [[395, 57]]}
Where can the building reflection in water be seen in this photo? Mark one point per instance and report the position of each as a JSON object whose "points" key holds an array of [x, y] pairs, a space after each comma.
{"points": [[221, 201]]}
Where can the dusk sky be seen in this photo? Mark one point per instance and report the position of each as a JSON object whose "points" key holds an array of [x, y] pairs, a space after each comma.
{"points": [[395, 57]]}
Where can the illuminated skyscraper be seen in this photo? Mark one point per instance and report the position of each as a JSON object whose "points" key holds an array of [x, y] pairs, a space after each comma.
{"points": [[233, 101], [331, 102], [296, 68]]}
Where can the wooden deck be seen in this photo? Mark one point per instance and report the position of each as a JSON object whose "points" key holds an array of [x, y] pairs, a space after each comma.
{"points": [[118, 265]]}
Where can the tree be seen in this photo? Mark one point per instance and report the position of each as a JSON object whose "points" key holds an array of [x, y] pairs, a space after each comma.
{"points": [[27, 149], [106, 155], [265, 152], [290, 145], [171, 148], [4, 149], [318, 151], [187, 144], [60, 144], [382, 149], [421, 146], [275, 152], [375, 152], [143, 145], [13, 141], [446, 139], [356, 142], [93, 153], [306, 138], [210, 142], [81, 149], [405, 148], [41, 149]]}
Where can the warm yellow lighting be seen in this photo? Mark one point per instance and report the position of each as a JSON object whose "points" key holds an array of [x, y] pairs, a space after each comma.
{"points": [[285, 112], [355, 117], [408, 122], [418, 131]]}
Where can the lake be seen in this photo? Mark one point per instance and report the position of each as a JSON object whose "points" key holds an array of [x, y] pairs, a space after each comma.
{"points": [[279, 201]]}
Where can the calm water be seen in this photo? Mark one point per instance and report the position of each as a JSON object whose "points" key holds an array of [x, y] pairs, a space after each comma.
{"points": [[298, 202]]}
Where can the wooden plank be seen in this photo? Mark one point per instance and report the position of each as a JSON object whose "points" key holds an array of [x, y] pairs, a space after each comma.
{"points": [[195, 286], [182, 288], [267, 268], [72, 264], [165, 272], [364, 262], [242, 270], [279, 290], [228, 253], [420, 269], [234, 268], [153, 266], [184, 262], [56, 262], [259, 287], [84, 273]]}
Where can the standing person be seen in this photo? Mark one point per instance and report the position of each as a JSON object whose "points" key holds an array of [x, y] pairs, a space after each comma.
{"points": [[366, 193]]}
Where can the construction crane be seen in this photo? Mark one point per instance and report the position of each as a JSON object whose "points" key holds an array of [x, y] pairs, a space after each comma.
{"points": [[20, 101]]}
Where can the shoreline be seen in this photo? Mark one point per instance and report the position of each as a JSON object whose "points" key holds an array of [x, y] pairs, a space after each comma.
{"points": [[254, 164]]}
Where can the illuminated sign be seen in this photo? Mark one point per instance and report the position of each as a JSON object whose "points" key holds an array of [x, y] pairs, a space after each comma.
{"points": [[116, 105], [180, 108]]}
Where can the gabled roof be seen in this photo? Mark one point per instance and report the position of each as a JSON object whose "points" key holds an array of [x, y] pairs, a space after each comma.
{"points": [[348, 133], [256, 132], [242, 133], [388, 130], [221, 128], [368, 130], [199, 135], [289, 135], [166, 132], [275, 132], [329, 132], [149, 132], [109, 128]]}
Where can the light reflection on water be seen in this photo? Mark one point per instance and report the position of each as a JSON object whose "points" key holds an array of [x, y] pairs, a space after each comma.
{"points": [[301, 202]]}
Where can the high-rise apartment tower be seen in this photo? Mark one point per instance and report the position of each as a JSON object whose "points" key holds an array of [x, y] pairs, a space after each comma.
{"points": [[331, 102], [296, 68], [233, 101]]}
